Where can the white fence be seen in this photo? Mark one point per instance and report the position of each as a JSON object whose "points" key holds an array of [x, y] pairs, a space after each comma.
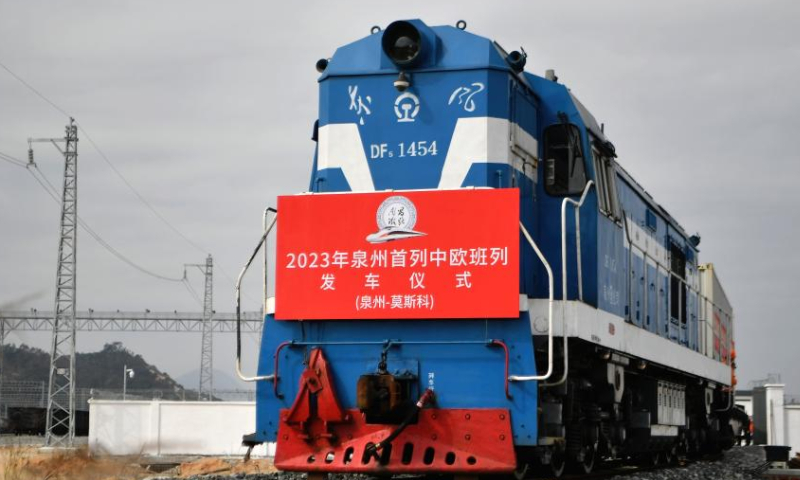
{"points": [[171, 428]]}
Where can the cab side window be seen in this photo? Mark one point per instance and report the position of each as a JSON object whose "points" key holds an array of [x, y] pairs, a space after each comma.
{"points": [[565, 173], [606, 184]]}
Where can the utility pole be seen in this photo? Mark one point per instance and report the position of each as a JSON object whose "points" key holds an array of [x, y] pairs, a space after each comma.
{"points": [[206, 387], [60, 426], [126, 373]]}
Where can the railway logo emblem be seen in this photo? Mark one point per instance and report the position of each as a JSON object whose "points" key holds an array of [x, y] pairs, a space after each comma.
{"points": [[396, 217], [406, 107]]}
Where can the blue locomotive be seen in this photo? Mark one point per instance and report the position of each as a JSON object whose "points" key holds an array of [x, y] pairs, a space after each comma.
{"points": [[623, 344]]}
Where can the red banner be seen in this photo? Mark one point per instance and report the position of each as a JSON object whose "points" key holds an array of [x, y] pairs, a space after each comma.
{"points": [[415, 254]]}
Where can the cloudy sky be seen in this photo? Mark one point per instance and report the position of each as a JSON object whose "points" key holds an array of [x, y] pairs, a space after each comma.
{"points": [[207, 108]]}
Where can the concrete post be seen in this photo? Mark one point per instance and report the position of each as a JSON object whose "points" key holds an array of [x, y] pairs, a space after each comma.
{"points": [[775, 421]]}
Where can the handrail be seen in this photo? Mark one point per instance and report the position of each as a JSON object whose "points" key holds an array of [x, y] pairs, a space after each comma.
{"points": [[527, 378], [577, 206], [239, 302], [265, 270]]}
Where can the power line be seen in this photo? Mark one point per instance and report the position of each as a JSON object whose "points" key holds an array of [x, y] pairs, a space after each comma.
{"points": [[191, 290], [114, 169], [150, 206], [37, 92], [53, 192], [108, 161], [12, 160], [138, 195]]}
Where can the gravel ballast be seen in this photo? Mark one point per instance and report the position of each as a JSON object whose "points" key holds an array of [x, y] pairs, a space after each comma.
{"points": [[735, 464]]}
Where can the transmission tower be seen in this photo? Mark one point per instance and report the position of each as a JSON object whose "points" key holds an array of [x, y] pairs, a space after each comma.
{"points": [[60, 426], [204, 390]]}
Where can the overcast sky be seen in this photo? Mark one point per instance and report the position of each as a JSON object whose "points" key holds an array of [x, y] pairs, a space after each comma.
{"points": [[207, 108]]}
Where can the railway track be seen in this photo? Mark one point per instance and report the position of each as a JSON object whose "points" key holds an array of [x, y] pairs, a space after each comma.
{"points": [[613, 468], [735, 464], [706, 463], [616, 468]]}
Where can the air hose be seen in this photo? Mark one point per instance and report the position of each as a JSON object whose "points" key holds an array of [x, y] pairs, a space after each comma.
{"points": [[426, 398]]}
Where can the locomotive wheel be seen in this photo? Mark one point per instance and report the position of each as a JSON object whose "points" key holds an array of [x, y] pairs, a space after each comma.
{"points": [[522, 470], [669, 456], [555, 466], [583, 463], [653, 459], [557, 463], [682, 450], [527, 459]]}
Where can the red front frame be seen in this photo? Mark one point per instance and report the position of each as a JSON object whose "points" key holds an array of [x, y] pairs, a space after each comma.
{"points": [[462, 441], [317, 435]]}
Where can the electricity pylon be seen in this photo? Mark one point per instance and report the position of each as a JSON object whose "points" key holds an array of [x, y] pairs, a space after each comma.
{"points": [[206, 386], [60, 426]]}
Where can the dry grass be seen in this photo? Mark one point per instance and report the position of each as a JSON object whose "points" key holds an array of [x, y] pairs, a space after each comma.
{"points": [[24, 462], [12, 459], [30, 463]]}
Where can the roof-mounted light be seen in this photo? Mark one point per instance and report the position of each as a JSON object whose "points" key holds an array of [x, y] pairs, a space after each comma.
{"points": [[402, 43]]}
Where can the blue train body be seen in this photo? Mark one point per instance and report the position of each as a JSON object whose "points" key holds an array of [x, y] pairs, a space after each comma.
{"points": [[470, 116]]}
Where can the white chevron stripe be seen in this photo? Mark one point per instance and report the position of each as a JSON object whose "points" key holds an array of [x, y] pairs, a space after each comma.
{"points": [[340, 147], [482, 140]]}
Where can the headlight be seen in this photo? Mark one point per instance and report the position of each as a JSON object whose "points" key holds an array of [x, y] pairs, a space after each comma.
{"points": [[402, 42]]}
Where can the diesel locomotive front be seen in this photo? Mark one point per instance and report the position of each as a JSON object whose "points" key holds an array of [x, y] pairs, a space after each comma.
{"points": [[472, 284]]}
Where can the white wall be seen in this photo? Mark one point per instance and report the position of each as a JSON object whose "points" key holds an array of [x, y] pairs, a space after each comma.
{"points": [[791, 416], [171, 428], [216, 428], [768, 415]]}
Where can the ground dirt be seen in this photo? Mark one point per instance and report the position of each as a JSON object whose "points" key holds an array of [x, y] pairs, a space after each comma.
{"points": [[208, 466], [32, 463]]}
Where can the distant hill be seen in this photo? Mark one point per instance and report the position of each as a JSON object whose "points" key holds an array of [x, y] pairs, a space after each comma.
{"points": [[100, 370]]}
